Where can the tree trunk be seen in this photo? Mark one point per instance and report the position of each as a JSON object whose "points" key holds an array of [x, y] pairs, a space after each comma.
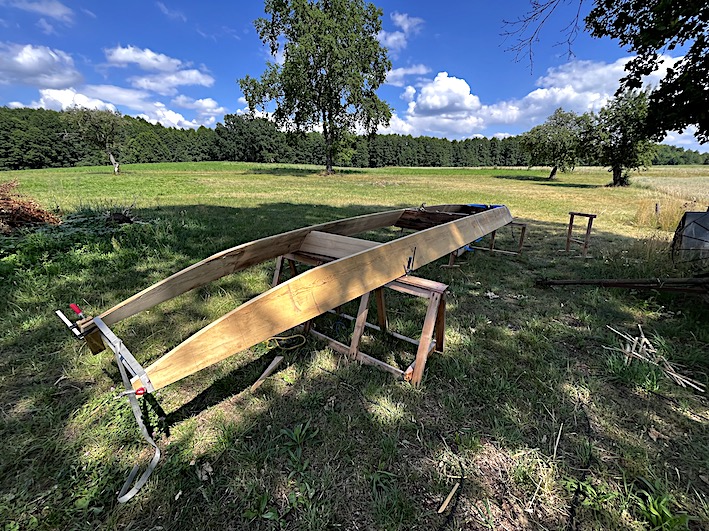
{"points": [[328, 159], [618, 178], [116, 166], [329, 145], [553, 172]]}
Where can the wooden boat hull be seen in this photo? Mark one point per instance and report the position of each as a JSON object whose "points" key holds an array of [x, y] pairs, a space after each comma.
{"points": [[361, 266]]}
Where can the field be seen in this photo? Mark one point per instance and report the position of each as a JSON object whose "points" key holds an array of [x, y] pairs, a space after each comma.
{"points": [[538, 423]]}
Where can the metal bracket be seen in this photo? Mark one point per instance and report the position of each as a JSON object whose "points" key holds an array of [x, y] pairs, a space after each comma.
{"points": [[126, 364], [123, 354]]}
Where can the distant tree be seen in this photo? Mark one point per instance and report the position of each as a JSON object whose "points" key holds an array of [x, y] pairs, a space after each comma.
{"points": [[146, 146], [620, 137], [250, 139], [647, 28], [556, 142], [102, 129], [204, 144], [332, 66], [671, 155]]}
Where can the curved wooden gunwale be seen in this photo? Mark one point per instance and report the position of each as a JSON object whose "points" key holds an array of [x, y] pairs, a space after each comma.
{"points": [[318, 290], [235, 259]]}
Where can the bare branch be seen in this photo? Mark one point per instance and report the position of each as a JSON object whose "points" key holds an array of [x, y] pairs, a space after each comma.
{"points": [[527, 29]]}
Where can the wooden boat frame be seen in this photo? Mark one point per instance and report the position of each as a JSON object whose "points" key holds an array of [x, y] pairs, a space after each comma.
{"points": [[350, 268], [356, 267]]}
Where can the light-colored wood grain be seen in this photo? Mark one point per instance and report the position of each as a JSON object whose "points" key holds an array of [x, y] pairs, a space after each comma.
{"points": [[448, 499], [429, 325], [360, 324], [315, 291], [334, 245], [236, 259], [272, 367]]}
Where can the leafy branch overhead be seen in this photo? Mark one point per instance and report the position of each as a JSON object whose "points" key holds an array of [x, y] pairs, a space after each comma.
{"points": [[649, 29], [332, 66]]}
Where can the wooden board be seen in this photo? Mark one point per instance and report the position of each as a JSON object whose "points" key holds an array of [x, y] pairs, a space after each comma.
{"points": [[417, 220], [236, 259], [316, 291], [334, 245]]}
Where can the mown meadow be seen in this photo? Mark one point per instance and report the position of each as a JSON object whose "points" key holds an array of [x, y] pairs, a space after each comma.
{"points": [[539, 424]]}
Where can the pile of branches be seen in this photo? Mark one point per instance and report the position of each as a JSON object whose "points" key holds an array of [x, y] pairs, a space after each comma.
{"points": [[17, 211], [640, 348]]}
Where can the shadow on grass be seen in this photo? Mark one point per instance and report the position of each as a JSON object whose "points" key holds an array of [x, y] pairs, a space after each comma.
{"points": [[522, 177], [300, 172], [522, 400], [545, 181]]}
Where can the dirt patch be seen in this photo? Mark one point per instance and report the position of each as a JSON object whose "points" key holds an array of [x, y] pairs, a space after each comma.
{"points": [[17, 211]]}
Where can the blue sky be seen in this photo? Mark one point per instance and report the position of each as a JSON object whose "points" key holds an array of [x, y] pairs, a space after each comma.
{"points": [[177, 62]]}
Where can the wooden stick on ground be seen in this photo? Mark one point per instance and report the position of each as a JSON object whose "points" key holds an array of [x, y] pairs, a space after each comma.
{"points": [[448, 499], [272, 367]]}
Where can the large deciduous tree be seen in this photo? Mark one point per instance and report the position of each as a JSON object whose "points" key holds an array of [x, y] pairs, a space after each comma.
{"points": [[103, 129], [620, 138], [556, 142], [648, 28], [332, 66]]}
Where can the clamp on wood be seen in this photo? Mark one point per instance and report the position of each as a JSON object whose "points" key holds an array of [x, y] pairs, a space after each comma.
{"points": [[127, 364]]}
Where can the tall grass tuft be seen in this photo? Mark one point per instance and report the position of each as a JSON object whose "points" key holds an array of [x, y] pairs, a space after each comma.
{"points": [[663, 214]]}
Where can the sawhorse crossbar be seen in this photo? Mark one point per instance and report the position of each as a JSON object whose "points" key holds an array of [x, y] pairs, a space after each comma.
{"points": [[432, 333]]}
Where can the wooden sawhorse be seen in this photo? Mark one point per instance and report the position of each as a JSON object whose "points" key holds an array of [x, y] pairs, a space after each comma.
{"points": [[432, 333], [587, 239], [491, 247]]}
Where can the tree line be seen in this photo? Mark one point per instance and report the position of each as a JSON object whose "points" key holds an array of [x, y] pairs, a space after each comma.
{"points": [[41, 138]]}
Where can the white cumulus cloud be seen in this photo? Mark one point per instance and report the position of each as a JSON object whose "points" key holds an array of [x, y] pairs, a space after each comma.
{"points": [[145, 58], [37, 66], [46, 8], [397, 40], [204, 106], [396, 76], [445, 96], [409, 94], [169, 118], [447, 106], [166, 84], [131, 98], [45, 27], [408, 24], [62, 99]]}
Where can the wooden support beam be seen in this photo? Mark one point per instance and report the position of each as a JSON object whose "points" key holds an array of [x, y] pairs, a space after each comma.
{"points": [[381, 309], [359, 356], [426, 336], [272, 367], [277, 271], [441, 323], [360, 323], [334, 246]]}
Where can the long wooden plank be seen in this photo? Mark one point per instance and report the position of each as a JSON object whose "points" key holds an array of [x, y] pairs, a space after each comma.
{"points": [[236, 259], [316, 291], [334, 245]]}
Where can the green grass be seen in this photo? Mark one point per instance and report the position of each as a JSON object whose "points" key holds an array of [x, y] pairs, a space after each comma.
{"points": [[548, 429]]}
